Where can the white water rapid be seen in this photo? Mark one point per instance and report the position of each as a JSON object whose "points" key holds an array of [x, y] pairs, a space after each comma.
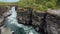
{"points": [[12, 25]]}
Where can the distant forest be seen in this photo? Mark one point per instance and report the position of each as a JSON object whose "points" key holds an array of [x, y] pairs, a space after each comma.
{"points": [[41, 5]]}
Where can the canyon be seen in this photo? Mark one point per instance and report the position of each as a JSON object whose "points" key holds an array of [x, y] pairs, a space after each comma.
{"points": [[44, 22]]}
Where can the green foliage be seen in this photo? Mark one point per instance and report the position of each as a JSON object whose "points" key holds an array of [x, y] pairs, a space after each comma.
{"points": [[40, 1], [50, 5], [41, 8], [39, 4], [58, 2]]}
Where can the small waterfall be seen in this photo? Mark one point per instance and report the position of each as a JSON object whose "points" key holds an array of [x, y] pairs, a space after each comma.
{"points": [[12, 25]]}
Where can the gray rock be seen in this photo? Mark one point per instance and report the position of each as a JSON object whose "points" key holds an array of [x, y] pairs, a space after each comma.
{"points": [[54, 12], [6, 14], [53, 24], [38, 18], [1, 21]]}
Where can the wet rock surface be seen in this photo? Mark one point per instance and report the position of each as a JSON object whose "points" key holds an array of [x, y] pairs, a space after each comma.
{"points": [[4, 13], [46, 23], [1, 21], [35, 19], [53, 22], [53, 26], [23, 17]]}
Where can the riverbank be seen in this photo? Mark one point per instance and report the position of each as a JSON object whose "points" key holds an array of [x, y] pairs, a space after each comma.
{"points": [[45, 22]]}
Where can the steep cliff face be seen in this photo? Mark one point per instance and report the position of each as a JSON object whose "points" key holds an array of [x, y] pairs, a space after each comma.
{"points": [[35, 19], [53, 22], [46, 23], [3, 14]]}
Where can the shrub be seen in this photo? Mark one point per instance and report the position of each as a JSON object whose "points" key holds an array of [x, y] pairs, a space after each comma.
{"points": [[41, 8], [50, 5]]}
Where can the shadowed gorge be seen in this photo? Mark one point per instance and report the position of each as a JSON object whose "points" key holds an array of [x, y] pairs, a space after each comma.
{"points": [[29, 17], [40, 22]]}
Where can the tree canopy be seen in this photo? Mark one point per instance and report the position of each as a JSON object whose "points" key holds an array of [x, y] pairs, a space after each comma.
{"points": [[39, 4]]}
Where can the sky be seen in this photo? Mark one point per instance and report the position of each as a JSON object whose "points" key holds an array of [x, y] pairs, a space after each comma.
{"points": [[9, 0]]}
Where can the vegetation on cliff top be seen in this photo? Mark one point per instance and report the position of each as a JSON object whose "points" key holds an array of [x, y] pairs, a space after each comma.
{"points": [[42, 5]]}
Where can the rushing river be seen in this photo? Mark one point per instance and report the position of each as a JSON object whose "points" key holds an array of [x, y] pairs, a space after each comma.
{"points": [[11, 25]]}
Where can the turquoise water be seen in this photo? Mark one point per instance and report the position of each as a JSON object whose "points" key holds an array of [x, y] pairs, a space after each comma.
{"points": [[12, 24], [9, 0]]}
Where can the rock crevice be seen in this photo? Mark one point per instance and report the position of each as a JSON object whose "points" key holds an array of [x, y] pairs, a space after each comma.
{"points": [[46, 23]]}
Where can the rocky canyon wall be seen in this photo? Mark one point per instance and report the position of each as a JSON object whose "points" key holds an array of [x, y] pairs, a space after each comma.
{"points": [[45, 22]]}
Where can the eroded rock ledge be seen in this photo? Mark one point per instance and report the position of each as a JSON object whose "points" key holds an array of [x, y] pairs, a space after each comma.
{"points": [[47, 23], [4, 13]]}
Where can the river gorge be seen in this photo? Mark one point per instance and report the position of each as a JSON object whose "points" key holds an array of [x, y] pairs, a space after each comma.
{"points": [[13, 21]]}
